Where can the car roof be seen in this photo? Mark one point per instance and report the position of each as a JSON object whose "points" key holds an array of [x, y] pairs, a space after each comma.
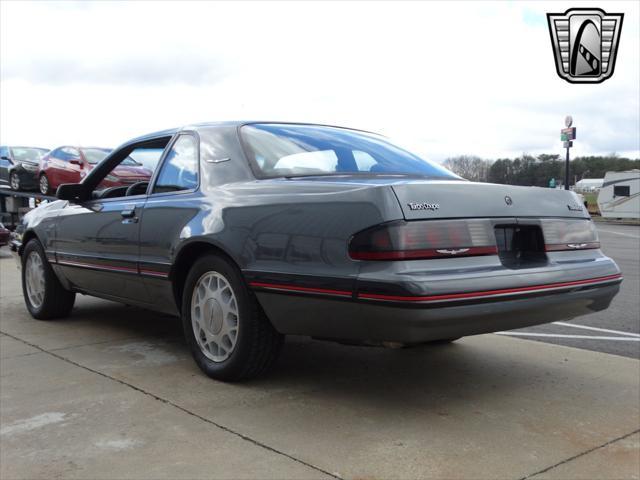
{"points": [[220, 124], [239, 123]]}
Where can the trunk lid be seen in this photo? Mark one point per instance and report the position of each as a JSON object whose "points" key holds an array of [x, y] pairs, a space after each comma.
{"points": [[429, 199]]}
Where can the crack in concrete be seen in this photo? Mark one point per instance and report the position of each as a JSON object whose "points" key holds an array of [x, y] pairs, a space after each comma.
{"points": [[59, 349], [586, 452], [182, 409]]}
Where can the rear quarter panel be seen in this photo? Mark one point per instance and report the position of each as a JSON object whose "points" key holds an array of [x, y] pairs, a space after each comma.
{"points": [[271, 229]]}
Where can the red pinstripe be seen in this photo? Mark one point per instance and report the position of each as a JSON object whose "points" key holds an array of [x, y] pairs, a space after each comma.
{"points": [[452, 296]]}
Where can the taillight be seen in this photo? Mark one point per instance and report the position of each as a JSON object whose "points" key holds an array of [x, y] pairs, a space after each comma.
{"points": [[424, 239], [569, 235]]}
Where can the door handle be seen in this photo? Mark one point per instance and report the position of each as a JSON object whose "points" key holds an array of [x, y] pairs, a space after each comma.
{"points": [[129, 215], [128, 212]]}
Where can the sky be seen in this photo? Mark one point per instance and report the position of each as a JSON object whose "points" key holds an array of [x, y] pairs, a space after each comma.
{"points": [[445, 78]]}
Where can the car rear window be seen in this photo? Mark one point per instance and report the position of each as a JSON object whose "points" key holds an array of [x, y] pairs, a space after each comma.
{"points": [[284, 150]]}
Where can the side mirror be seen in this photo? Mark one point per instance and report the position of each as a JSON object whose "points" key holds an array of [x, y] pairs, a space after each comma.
{"points": [[4, 157], [73, 192], [75, 162]]}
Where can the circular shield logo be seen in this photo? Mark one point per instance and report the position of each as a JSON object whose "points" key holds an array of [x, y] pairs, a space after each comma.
{"points": [[508, 200]]}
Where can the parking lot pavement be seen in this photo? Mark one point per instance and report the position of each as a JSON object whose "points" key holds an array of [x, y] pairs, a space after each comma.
{"points": [[112, 392], [617, 329]]}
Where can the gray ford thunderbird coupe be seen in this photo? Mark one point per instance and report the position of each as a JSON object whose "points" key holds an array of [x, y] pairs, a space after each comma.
{"points": [[250, 231]]}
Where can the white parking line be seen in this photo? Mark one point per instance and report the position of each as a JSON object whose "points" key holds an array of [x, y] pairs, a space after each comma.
{"points": [[604, 330], [618, 233], [583, 337]]}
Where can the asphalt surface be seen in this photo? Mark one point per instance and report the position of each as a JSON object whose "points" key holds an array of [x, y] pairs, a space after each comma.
{"points": [[622, 243]]}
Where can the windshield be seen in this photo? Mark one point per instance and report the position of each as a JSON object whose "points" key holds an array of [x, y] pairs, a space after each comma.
{"points": [[25, 154], [281, 150], [95, 155]]}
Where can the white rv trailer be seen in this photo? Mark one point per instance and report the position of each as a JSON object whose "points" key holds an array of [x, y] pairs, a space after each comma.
{"points": [[619, 196]]}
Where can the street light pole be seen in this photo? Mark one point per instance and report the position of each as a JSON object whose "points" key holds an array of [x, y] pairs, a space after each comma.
{"points": [[567, 135], [566, 170]]}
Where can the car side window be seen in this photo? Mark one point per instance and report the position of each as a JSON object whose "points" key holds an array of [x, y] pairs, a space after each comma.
{"points": [[68, 153], [364, 161], [4, 152], [179, 170]]}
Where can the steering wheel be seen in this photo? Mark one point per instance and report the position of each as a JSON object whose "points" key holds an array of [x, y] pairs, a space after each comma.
{"points": [[111, 192], [133, 189]]}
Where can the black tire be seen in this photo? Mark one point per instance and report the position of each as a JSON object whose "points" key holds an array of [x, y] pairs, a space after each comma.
{"points": [[43, 184], [258, 344], [14, 181], [57, 301]]}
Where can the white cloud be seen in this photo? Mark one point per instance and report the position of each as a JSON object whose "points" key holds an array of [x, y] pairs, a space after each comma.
{"points": [[456, 77]]}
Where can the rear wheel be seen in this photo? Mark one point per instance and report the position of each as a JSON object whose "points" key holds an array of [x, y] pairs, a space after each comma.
{"points": [[229, 336], [44, 184], [44, 295], [14, 181]]}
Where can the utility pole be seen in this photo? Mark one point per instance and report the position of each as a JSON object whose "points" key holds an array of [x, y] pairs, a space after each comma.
{"points": [[567, 135]]}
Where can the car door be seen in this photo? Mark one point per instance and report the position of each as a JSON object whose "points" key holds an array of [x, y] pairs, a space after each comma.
{"points": [[97, 241], [96, 244], [96, 247], [71, 165], [5, 163]]}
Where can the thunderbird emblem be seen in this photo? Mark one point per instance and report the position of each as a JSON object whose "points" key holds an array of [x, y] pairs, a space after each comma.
{"points": [[453, 251], [585, 43]]}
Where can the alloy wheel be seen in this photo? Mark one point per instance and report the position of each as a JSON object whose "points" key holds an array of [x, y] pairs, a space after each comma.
{"points": [[215, 316], [44, 184], [34, 279]]}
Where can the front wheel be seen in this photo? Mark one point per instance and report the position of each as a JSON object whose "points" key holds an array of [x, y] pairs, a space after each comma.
{"points": [[229, 336], [14, 181], [44, 295], [44, 184]]}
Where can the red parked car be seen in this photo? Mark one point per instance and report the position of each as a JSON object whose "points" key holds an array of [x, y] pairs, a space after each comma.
{"points": [[71, 164]]}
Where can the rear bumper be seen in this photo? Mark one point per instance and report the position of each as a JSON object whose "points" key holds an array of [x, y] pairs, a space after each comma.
{"points": [[421, 321], [405, 303]]}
